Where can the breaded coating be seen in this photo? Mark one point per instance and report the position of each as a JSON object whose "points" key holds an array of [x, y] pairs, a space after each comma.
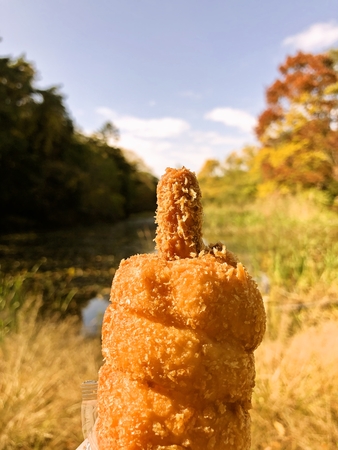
{"points": [[178, 338], [179, 215]]}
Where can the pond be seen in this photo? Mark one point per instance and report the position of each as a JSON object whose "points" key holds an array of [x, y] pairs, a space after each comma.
{"points": [[72, 266]]}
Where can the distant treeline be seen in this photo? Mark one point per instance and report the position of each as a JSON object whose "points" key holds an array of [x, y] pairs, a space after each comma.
{"points": [[53, 175]]}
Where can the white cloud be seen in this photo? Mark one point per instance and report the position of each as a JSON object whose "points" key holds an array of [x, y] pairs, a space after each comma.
{"points": [[154, 140], [191, 149], [233, 118], [317, 37], [160, 154], [170, 142], [155, 153], [162, 128]]}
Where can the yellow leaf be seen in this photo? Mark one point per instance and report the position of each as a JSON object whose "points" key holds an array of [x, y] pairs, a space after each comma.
{"points": [[71, 271]]}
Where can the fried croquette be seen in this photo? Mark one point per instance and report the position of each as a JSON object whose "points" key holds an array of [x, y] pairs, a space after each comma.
{"points": [[178, 338]]}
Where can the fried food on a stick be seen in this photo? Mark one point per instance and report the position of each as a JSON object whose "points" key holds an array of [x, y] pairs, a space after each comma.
{"points": [[178, 338]]}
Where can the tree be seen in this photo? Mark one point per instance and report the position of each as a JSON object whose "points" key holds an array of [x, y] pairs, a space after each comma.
{"points": [[17, 167], [231, 181], [52, 175], [108, 132], [51, 127], [298, 130]]}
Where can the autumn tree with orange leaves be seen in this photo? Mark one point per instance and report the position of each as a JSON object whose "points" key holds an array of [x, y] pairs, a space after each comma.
{"points": [[298, 130]]}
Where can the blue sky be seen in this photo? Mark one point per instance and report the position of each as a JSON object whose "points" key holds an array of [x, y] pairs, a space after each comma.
{"points": [[183, 80]]}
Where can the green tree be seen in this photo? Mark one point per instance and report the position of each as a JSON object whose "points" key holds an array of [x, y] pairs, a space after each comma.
{"points": [[232, 181], [51, 174], [107, 133], [17, 165]]}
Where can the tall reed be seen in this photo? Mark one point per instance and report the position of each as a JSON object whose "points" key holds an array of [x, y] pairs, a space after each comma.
{"points": [[42, 365], [293, 240], [295, 401]]}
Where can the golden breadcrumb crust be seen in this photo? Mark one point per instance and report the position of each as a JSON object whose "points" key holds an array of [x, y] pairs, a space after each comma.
{"points": [[178, 338]]}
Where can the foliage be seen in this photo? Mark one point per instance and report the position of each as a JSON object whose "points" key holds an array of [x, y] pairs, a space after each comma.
{"points": [[298, 138], [291, 240], [12, 300], [49, 173], [230, 182], [298, 130]]}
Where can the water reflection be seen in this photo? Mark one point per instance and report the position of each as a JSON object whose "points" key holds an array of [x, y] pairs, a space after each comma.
{"points": [[72, 266], [92, 316]]}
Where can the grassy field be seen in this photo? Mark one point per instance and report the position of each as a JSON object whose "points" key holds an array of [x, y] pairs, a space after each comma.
{"points": [[291, 247]]}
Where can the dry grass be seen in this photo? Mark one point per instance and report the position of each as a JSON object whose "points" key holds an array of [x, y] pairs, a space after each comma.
{"points": [[43, 364], [295, 402]]}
